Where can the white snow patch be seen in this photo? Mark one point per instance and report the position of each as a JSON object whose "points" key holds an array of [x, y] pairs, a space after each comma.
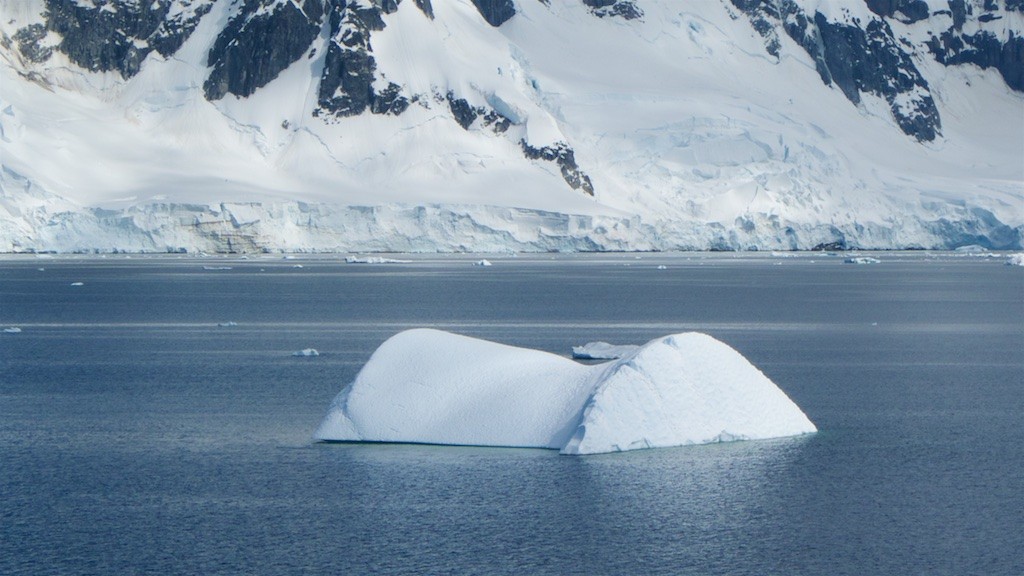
{"points": [[434, 387]]}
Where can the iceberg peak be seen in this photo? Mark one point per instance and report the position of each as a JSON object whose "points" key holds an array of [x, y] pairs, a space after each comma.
{"points": [[435, 387]]}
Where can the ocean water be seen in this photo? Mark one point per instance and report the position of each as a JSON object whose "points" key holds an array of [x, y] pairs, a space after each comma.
{"points": [[154, 421]]}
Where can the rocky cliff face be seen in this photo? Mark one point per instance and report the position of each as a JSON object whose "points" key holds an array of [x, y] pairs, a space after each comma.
{"points": [[858, 56], [867, 57]]}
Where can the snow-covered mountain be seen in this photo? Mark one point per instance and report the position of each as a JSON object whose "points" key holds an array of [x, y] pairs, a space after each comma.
{"points": [[492, 125]]}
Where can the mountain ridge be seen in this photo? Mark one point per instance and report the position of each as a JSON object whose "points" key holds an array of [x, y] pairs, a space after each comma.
{"points": [[741, 124]]}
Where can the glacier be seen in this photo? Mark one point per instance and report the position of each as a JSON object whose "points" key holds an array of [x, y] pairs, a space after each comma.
{"points": [[558, 126], [435, 387]]}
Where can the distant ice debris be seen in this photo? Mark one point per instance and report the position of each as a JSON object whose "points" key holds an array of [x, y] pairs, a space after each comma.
{"points": [[12, 330], [216, 267], [1015, 260], [602, 351], [78, 283], [971, 249], [434, 387], [662, 267], [482, 263], [306, 352], [227, 324], [862, 260], [374, 260]]}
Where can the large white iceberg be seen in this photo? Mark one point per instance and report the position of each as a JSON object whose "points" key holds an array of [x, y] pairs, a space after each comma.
{"points": [[434, 387]]}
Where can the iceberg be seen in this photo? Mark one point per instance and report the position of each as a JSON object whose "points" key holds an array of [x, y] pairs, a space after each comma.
{"points": [[434, 387], [306, 352], [1015, 260]]}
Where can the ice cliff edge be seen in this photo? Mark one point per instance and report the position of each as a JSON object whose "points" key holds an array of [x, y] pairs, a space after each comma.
{"points": [[434, 387]]}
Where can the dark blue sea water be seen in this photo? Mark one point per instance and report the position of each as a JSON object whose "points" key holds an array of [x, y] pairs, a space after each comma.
{"points": [[139, 437]]}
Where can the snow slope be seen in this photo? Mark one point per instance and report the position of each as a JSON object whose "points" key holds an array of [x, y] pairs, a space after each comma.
{"points": [[429, 386], [692, 135]]}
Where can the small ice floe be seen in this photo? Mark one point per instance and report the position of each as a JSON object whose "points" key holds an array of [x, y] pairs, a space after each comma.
{"points": [[662, 267], [970, 249], [862, 260], [78, 283], [374, 260], [1015, 260], [227, 324], [216, 267], [482, 263], [306, 352], [297, 266], [12, 330], [602, 351]]}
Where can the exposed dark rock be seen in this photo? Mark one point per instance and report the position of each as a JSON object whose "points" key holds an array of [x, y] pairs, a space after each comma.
{"points": [[496, 122], [389, 101], [256, 47], [464, 113], [118, 36], [28, 43], [909, 10], [561, 154], [857, 60], [626, 9], [346, 83], [983, 49], [426, 7], [495, 12], [959, 8]]}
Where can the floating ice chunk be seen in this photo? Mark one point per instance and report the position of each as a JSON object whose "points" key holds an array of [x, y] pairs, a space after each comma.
{"points": [[306, 352], [374, 260], [971, 249], [428, 386], [482, 263], [662, 267], [1015, 260], [227, 324], [12, 330], [78, 283], [216, 267], [602, 351], [862, 260]]}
